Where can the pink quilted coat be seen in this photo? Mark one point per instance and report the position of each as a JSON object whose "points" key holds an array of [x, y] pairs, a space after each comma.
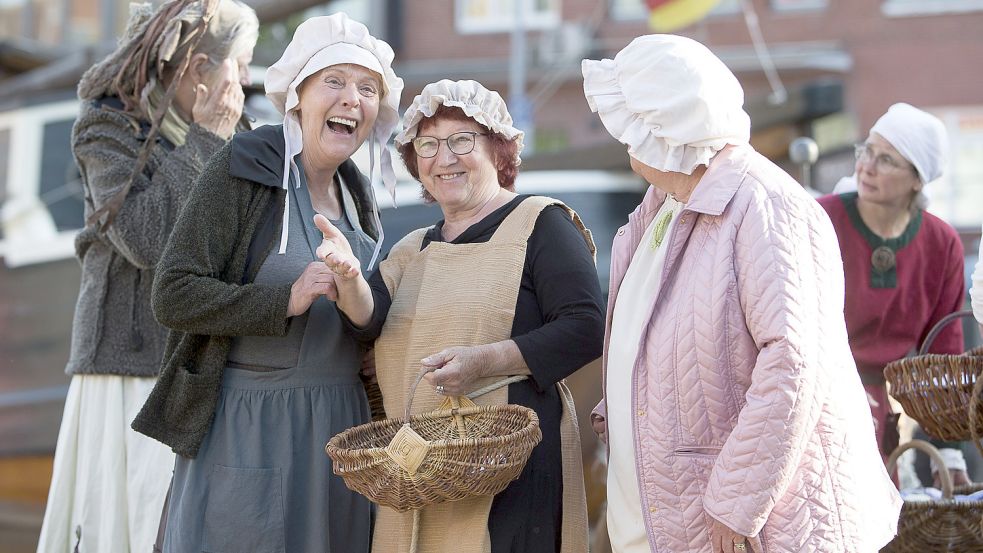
{"points": [[749, 406]]}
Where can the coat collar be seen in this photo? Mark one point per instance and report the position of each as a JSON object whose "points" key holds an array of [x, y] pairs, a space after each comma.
{"points": [[714, 191]]}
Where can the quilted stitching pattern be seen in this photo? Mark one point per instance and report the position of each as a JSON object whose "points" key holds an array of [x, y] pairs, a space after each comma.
{"points": [[750, 407]]}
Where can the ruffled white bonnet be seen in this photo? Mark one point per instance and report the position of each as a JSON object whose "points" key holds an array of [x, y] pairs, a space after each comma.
{"points": [[484, 106], [670, 100]]}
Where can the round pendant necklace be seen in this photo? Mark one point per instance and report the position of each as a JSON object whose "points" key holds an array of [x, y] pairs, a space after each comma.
{"points": [[882, 259]]}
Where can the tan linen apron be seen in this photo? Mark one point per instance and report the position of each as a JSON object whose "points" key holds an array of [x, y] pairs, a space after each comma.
{"points": [[463, 295]]}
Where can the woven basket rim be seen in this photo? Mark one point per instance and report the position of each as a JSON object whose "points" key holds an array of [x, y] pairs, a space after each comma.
{"points": [[532, 423], [925, 362]]}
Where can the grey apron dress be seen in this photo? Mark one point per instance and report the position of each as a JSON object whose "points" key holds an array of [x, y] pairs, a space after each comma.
{"points": [[261, 482]]}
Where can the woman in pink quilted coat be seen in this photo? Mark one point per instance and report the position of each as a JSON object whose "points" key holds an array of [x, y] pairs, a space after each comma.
{"points": [[737, 420]]}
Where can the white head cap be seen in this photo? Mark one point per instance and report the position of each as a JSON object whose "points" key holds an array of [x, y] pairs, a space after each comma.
{"points": [[321, 42], [670, 100], [918, 136], [477, 102]]}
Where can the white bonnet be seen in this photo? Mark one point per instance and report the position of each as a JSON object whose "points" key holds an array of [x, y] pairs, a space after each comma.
{"points": [[484, 106], [321, 42], [918, 136], [670, 100]]}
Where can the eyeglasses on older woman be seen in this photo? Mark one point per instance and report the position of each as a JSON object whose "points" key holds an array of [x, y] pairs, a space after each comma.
{"points": [[459, 143], [884, 162]]}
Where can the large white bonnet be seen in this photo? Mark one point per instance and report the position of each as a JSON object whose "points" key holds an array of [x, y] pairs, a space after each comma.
{"points": [[918, 136], [324, 41], [318, 43], [670, 100], [484, 106]]}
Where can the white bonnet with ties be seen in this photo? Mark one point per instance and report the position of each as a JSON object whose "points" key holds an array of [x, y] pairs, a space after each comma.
{"points": [[918, 136], [670, 100], [477, 102], [318, 43]]}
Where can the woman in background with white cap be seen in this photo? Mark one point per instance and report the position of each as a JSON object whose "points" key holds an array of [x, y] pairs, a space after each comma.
{"points": [[903, 266], [258, 373], [504, 285], [733, 411]]}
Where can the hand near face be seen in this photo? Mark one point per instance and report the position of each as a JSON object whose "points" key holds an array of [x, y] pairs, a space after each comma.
{"points": [[335, 251], [455, 368], [725, 540], [218, 105], [316, 280]]}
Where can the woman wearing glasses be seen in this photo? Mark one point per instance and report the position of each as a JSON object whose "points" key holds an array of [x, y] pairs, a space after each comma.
{"points": [[903, 266], [504, 285]]}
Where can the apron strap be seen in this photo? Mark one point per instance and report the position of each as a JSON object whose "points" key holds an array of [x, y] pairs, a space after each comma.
{"points": [[522, 221]]}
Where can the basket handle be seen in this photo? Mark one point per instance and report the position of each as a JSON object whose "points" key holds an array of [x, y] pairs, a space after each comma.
{"points": [[455, 403], [937, 329], [932, 452]]}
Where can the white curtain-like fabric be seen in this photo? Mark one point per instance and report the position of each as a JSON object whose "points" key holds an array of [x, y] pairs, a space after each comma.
{"points": [[109, 482]]}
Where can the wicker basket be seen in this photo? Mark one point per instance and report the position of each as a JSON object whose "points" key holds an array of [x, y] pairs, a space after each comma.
{"points": [[936, 390], [465, 451], [944, 525]]}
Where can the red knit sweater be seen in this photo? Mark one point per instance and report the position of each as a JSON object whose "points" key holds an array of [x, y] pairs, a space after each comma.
{"points": [[886, 322]]}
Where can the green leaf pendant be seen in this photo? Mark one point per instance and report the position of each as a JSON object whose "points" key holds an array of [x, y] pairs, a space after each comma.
{"points": [[659, 232]]}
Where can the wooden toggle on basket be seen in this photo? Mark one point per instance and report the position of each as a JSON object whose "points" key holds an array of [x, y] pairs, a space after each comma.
{"points": [[455, 452], [936, 390], [943, 525]]}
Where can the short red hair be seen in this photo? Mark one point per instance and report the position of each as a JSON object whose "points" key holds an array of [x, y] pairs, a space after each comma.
{"points": [[505, 152]]}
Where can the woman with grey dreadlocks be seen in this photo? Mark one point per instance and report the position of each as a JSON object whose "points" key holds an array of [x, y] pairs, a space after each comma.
{"points": [[151, 115]]}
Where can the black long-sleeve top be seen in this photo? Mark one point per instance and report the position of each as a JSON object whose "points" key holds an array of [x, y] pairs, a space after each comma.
{"points": [[559, 328]]}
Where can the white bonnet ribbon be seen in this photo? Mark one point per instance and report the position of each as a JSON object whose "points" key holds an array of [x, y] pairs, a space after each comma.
{"points": [[291, 131], [388, 179]]}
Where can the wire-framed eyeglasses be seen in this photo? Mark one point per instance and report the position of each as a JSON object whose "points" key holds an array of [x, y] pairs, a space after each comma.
{"points": [[884, 162], [459, 143]]}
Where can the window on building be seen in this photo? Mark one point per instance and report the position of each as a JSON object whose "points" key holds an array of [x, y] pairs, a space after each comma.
{"points": [[627, 10], [798, 5], [495, 16], [903, 8]]}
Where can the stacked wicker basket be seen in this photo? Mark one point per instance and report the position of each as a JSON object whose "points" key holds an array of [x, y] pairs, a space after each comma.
{"points": [[943, 393]]}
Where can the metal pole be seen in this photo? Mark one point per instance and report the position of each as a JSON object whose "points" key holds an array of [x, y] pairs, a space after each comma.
{"points": [[519, 104]]}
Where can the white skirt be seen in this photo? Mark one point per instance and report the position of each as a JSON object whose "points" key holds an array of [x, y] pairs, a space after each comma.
{"points": [[109, 482]]}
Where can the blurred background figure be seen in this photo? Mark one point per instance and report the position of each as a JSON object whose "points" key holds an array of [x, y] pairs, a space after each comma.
{"points": [[152, 114], [258, 374], [903, 266]]}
